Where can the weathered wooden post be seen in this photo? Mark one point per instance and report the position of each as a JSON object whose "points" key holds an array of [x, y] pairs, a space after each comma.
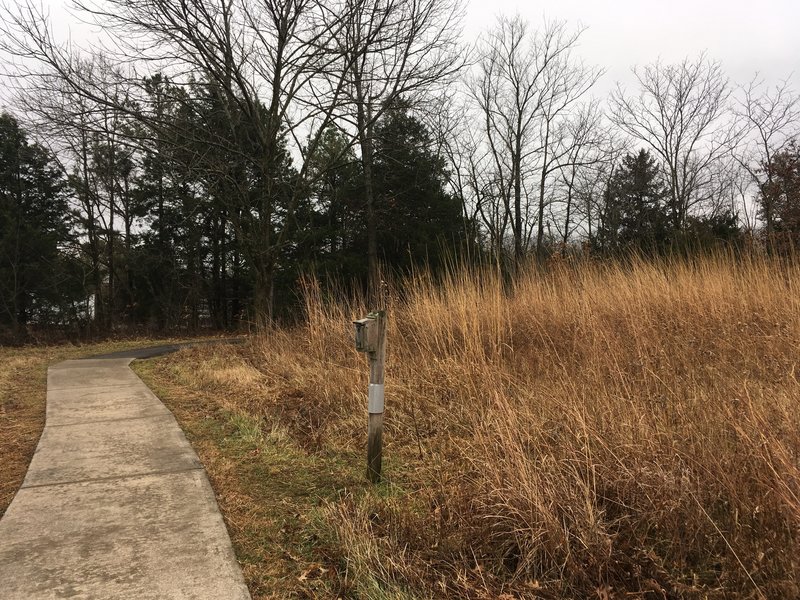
{"points": [[371, 339]]}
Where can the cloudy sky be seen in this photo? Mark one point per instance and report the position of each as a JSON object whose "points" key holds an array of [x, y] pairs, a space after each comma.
{"points": [[746, 37]]}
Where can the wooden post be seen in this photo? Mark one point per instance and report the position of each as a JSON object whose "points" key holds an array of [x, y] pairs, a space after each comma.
{"points": [[371, 339], [375, 407]]}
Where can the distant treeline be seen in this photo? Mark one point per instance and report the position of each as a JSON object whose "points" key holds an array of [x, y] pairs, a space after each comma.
{"points": [[132, 238], [340, 138]]}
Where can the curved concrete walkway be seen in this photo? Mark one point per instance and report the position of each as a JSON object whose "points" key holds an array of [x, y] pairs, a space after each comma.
{"points": [[115, 504]]}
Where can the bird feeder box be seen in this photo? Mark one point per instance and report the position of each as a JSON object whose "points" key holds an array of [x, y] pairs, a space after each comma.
{"points": [[366, 331]]}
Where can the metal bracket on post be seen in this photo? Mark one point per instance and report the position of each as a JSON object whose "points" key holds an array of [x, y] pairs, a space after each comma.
{"points": [[375, 405]]}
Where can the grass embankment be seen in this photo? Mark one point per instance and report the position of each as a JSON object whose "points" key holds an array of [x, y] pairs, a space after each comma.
{"points": [[23, 393], [596, 431]]}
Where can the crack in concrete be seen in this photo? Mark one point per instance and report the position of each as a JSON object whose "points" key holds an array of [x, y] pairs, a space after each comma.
{"points": [[162, 414], [111, 478]]}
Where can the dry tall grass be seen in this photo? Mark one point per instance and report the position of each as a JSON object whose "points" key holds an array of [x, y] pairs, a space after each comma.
{"points": [[595, 431]]}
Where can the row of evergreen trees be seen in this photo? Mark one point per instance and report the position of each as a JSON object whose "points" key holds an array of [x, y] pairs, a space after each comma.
{"points": [[637, 216], [34, 227], [125, 229]]}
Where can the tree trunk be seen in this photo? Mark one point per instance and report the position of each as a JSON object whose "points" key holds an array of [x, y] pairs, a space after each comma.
{"points": [[518, 249], [92, 235], [540, 224], [364, 121], [215, 304], [110, 250], [568, 215], [374, 278], [263, 295], [236, 304], [222, 296]]}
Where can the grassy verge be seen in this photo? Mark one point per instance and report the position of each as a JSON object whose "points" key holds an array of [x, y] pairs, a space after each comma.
{"points": [[23, 391], [269, 487], [595, 431]]}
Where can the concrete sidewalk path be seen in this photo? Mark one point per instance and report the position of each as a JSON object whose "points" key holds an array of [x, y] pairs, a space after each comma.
{"points": [[115, 504]]}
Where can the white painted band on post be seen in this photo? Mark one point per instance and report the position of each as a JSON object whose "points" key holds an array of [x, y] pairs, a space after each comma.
{"points": [[375, 398]]}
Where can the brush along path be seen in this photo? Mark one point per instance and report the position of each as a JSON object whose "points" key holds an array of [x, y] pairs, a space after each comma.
{"points": [[115, 503]]}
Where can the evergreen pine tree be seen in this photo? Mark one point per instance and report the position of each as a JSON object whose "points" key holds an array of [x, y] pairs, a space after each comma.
{"points": [[634, 216], [34, 224], [419, 222]]}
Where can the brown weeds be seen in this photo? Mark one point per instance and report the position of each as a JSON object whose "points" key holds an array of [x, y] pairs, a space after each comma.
{"points": [[633, 428], [589, 431]]}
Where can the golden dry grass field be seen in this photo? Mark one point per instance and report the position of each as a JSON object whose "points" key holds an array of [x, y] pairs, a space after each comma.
{"points": [[591, 431]]}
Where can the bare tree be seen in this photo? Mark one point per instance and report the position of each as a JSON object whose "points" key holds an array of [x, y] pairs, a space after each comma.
{"points": [[456, 144], [681, 112], [261, 61], [476, 185], [527, 91], [772, 119], [585, 139], [590, 144], [90, 141], [391, 50]]}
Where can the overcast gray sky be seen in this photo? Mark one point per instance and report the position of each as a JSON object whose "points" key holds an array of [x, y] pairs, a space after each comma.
{"points": [[746, 37]]}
